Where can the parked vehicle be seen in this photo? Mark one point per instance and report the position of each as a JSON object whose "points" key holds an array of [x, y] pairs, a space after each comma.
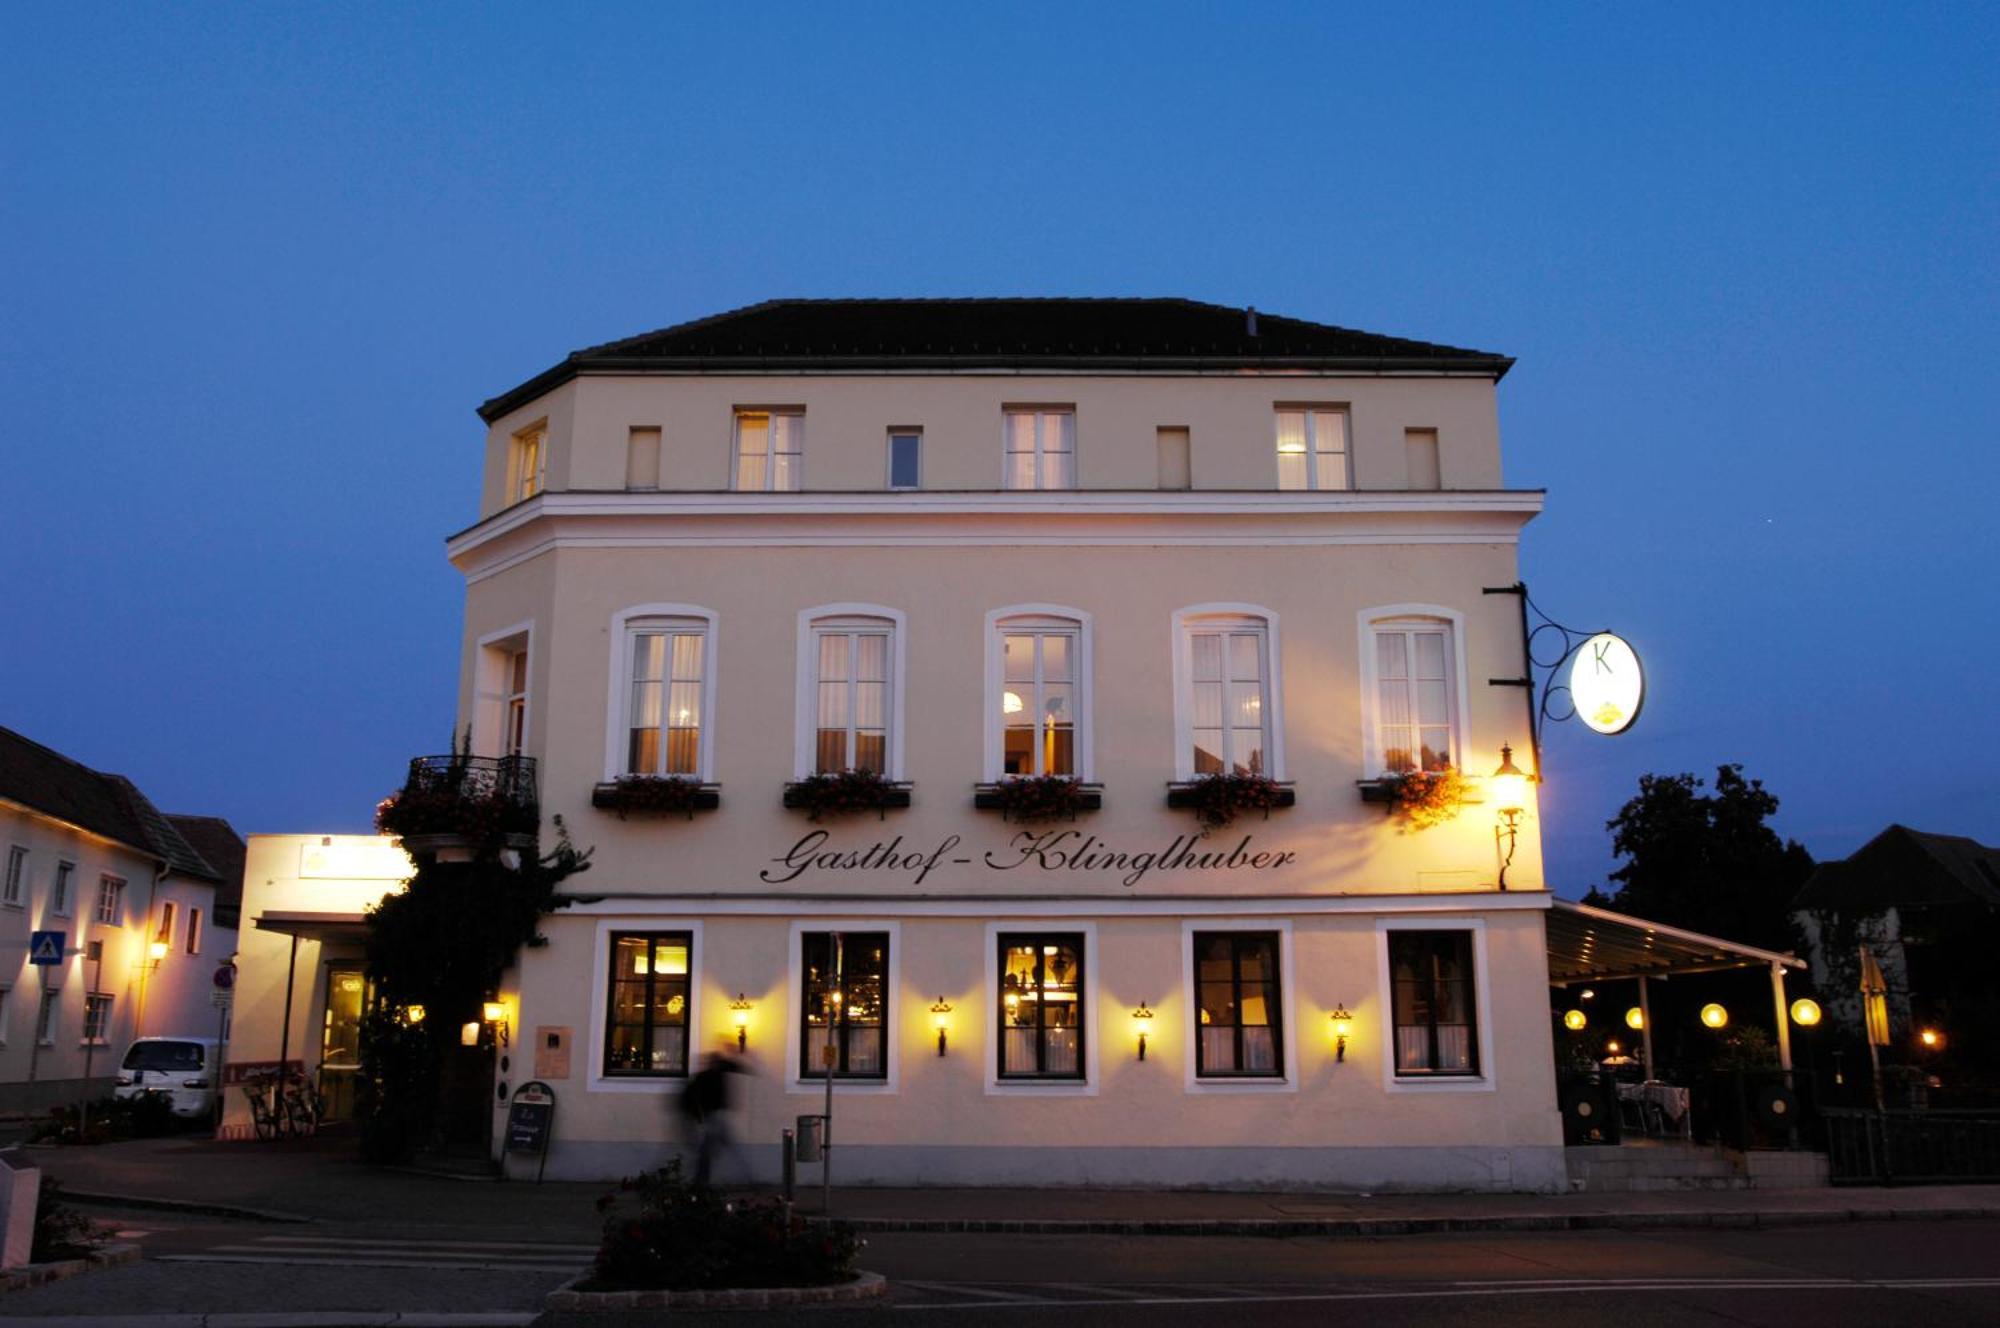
{"points": [[185, 1070]]}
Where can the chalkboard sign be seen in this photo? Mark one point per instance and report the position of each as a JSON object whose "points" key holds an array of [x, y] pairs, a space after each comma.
{"points": [[530, 1120]]}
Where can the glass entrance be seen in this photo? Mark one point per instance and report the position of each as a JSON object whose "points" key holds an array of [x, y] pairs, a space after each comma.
{"points": [[347, 997]]}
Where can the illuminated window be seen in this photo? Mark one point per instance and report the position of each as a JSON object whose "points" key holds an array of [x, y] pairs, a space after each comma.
{"points": [[111, 900], [527, 465], [770, 450], [1433, 998], [906, 458], [666, 706], [1312, 448], [1041, 1006], [1226, 701], [1039, 709], [17, 868], [853, 695], [1041, 449], [646, 1022], [1240, 1033], [1415, 695], [845, 991]]}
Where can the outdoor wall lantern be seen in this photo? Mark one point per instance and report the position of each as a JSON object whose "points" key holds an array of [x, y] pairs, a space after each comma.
{"points": [[1574, 1020], [158, 951], [941, 1020], [1141, 1017], [1805, 1012], [495, 1013], [1635, 1019], [739, 1014], [1510, 794], [1714, 1015], [1343, 1024], [1932, 1039]]}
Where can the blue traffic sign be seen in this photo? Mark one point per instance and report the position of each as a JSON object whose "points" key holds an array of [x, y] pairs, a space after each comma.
{"points": [[47, 947]]}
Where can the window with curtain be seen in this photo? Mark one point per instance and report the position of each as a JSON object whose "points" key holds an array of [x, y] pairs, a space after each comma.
{"points": [[770, 450], [852, 702], [1041, 449], [1228, 703], [1435, 1017], [111, 900], [646, 1020], [1312, 449], [664, 712], [1040, 695], [1239, 1034], [1041, 1002], [1414, 690], [844, 992]]}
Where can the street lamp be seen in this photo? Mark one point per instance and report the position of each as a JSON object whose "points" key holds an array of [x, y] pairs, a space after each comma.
{"points": [[1714, 1015], [1574, 1020]]}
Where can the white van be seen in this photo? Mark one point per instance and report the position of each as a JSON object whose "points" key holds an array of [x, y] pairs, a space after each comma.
{"points": [[185, 1070]]}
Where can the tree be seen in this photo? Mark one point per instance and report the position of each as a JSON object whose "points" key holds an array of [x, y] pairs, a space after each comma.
{"points": [[1707, 861]]}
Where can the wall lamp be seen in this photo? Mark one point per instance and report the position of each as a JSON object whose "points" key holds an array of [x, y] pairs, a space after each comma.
{"points": [[1141, 1018], [157, 951], [1510, 792], [1343, 1024], [495, 1013], [941, 1020], [1931, 1039], [739, 1015]]}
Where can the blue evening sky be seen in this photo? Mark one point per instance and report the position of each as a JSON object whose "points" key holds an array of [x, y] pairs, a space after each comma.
{"points": [[261, 261]]}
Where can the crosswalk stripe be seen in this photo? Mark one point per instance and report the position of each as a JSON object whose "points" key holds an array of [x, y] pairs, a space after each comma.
{"points": [[497, 1246], [379, 1261]]}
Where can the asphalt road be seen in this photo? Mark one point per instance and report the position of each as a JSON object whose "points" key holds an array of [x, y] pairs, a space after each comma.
{"points": [[1900, 1273]]}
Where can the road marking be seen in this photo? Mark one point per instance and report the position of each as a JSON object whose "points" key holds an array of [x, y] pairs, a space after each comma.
{"points": [[498, 1246], [378, 1261], [343, 1252], [959, 1289]]}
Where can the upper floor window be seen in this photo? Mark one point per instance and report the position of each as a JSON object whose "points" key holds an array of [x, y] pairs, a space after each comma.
{"points": [[17, 867], [1415, 694], [666, 713], [851, 714], [646, 1022], [59, 889], [905, 458], [527, 463], [1312, 449], [165, 934], [770, 450], [500, 693], [194, 931], [1226, 699], [1041, 449], [1038, 703], [111, 900], [514, 714]]}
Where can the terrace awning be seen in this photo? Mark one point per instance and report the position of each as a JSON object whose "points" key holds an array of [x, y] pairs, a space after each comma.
{"points": [[321, 927]]}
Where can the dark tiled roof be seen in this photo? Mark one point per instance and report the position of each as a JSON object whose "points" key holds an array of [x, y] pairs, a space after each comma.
{"points": [[1903, 867], [1127, 334], [105, 804], [221, 848]]}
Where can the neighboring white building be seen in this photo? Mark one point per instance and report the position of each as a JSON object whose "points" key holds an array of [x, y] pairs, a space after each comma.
{"points": [[146, 905], [958, 542]]}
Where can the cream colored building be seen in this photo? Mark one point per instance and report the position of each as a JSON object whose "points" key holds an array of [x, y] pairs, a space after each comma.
{"points": [[955, 542]]}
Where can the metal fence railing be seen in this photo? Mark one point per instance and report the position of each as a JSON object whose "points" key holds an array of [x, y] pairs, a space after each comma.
{"points": [[1911, 1147]]}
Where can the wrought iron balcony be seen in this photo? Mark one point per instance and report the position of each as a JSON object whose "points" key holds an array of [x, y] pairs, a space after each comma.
{"points": [[464, 802]]}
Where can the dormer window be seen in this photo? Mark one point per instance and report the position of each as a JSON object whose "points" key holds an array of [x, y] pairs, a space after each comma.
{"points": [[1041, 448], [1312, 448], [770, 450]]}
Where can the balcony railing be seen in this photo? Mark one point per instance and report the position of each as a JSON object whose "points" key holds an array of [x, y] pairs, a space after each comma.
{"points": [[464, 801]]}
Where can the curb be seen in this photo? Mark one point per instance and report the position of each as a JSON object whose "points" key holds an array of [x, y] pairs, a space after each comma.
{"points": [[1413, 1226], [865, 1286], [104, 1200], [35, 1274], [294, 1319]]}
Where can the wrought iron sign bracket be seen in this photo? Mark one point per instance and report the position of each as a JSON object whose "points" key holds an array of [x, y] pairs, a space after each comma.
{"points": [[1539, 644]]}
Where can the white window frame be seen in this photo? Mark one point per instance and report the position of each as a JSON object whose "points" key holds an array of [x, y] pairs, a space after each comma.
{"points": [[889, 458], [17, 877], [835, 619], [633, 621], [492, 687], [892, 1031], [736, 448], [1040, 413], [1346, 453], [521, 484], [1226, 616], [1456, 692], [987, 1010], [194, 931], [48, 1017], [62, 889], [111, 889], [1288, 1011], [102, 1038], [1487, 1080], [1037, 619], [167, 928], [701, 1038]]}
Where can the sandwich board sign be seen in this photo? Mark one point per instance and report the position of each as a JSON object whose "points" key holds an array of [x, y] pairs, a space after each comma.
{"points": [[47, 948]]}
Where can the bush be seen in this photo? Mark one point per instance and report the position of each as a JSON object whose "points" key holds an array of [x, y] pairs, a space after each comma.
{"points": [[664, 1234], [148, 1116], [60, 1231]]}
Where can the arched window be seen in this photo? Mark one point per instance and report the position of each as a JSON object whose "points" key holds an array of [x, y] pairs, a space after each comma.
{"points": [[663, 673]]}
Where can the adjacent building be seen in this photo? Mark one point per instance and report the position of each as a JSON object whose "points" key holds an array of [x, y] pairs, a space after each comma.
{"points": [[141, 906], [961, 544]]}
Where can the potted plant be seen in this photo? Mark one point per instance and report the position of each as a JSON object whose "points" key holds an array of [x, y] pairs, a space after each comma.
{"points": [[1420, 798], [841, 792], [660, 794], [1217, 799], [1028, 798]]}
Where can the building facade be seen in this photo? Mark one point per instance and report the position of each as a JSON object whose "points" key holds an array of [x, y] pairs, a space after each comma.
{"points": [[1137, 544], [145, 904]]}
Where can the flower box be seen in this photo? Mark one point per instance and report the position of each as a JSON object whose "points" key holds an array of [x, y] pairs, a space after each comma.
{"points": [[1038, 798], [653, 794], [843, 793], [1218, 799]]}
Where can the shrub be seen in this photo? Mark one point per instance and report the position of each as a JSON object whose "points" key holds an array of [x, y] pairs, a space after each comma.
{"points": [[663, 1234], [60, 1231]]}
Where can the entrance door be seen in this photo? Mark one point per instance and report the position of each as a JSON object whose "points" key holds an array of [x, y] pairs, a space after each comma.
{"points": [[347, 995]]}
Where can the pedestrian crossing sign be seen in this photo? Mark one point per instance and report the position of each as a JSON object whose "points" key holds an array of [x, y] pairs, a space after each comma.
{"points": [[47, 947]]}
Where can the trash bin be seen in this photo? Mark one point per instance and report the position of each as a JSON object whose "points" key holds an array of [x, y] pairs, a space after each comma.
{"points": [[811, 1138]]}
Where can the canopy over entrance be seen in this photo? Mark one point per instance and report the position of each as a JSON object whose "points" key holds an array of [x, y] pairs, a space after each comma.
{"points": [[322, 927], [1588, 944]]}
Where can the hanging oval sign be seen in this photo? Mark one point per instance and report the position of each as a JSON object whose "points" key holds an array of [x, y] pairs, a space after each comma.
{"points": [[1606, 683]]}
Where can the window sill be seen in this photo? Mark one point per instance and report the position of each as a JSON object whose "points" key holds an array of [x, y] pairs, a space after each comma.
{"points": [[1443, 1083], [1183, 795], [991, 797], [608, 797], [895, 795], [1378, 791], [1242, 1084], [1040, 1088]]}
